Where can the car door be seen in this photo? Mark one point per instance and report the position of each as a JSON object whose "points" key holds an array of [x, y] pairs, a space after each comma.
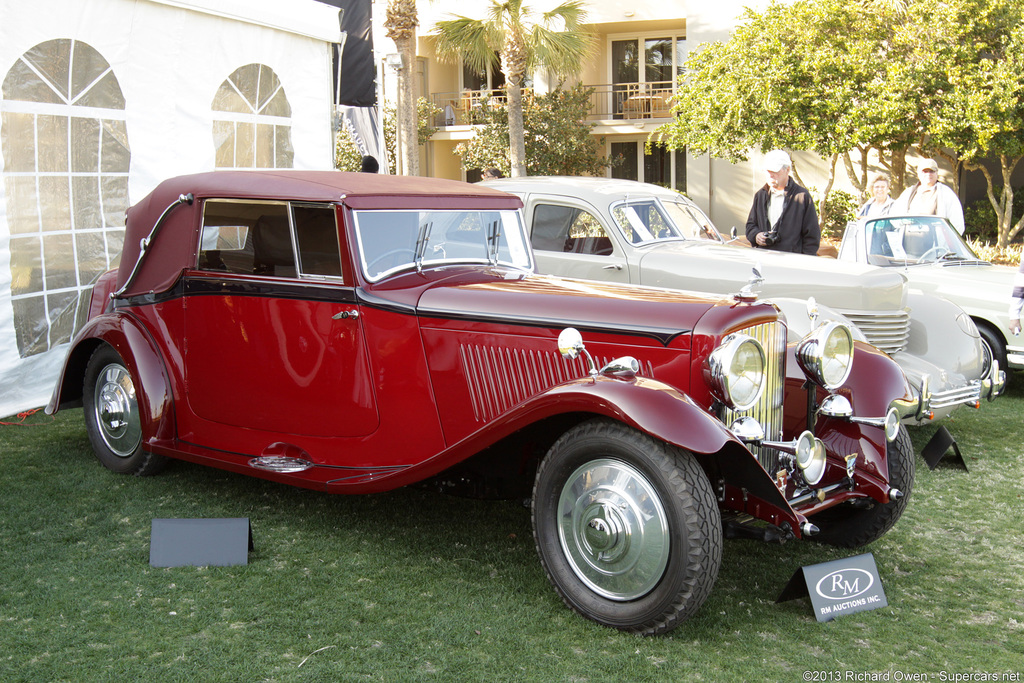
{"points": [[570, 240], [273, 337]]}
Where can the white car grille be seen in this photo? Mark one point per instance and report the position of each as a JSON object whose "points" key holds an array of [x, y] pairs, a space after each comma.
{"points": [[888, 331]]}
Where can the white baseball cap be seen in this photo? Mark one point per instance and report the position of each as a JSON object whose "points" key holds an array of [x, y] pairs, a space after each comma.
{"points": [[775, 160]]}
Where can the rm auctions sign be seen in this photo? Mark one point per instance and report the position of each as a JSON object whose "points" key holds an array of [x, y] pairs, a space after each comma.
{"points": [[838, 587]]}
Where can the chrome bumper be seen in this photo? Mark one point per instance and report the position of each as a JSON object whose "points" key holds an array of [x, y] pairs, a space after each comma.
{"points": [[926, 402]]}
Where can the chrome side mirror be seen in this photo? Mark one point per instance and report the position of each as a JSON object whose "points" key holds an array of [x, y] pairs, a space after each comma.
{"points": [[570, 345]]}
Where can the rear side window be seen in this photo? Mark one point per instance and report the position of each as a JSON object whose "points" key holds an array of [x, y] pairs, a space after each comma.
{"points": [[568, 229], [270, 238]]}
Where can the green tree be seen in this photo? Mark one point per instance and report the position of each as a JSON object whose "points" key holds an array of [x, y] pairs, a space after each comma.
{"points": [[841, 84], [980, 45], [557, 139], [557, 40], [426, 114]]}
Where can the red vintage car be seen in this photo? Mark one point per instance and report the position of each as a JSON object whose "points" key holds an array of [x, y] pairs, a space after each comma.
{"points": [[355, 333]]}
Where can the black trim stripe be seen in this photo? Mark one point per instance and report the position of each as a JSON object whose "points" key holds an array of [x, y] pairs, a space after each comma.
{"points": [[331, 292]]}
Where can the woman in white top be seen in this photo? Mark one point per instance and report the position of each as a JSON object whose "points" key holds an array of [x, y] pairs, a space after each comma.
{"points": [[880, 200]]}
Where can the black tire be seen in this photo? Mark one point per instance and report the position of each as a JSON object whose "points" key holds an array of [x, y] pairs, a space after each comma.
{"points": [[995, 346], [847, 526], [640, 556], [112, 417]]}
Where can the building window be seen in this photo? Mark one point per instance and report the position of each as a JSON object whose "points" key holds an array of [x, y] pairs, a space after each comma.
{"points": [[491, 79], [252, 120], [66, 159], [660, 166], [644, 70]]}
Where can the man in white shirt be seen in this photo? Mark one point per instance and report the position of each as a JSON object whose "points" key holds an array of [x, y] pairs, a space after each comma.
{"points": [[929, 197], [782, 217]]}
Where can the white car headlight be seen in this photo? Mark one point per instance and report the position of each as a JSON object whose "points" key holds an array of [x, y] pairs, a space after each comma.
{"points": [[826, 355], [735, 371]]}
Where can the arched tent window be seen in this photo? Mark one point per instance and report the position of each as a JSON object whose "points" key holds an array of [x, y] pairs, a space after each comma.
{"points": [[66, 158], [252, 120]]}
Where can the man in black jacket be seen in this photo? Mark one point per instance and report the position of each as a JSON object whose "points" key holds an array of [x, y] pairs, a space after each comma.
{"points": [[783, 216]]}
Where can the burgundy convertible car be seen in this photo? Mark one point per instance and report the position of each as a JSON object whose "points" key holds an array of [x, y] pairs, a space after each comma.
{"points": [[355, 333]]}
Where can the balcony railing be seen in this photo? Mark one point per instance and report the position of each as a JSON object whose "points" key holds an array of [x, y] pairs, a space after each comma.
{"points": [[617, 101]]}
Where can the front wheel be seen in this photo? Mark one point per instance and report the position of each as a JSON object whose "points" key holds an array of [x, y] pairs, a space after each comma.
{"points": [[994, 346], [627, 527], [112, 417], [851, 527]]}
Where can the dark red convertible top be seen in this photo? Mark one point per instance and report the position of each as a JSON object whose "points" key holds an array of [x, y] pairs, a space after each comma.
{"points": [[177, 235]]}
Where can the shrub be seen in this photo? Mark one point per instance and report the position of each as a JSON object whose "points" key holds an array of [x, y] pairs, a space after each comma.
{"points": [[988, 251], [347, 156], [980, 217], [839, 209]]}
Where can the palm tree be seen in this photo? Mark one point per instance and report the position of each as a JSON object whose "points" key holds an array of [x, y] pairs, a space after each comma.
{"points": [[557, 42], [400, 20]]}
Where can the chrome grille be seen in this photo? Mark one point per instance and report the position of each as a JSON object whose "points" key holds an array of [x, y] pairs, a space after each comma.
{"points": [[889, 331], [768, 410]]}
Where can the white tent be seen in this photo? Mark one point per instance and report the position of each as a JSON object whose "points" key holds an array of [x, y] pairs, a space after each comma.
{"points": [[103, 99]]}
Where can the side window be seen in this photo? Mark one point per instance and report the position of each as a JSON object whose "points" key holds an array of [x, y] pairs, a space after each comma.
{"points": [[316, 234], [247, 238], [641, 221], [568, 229], [255, 238]]}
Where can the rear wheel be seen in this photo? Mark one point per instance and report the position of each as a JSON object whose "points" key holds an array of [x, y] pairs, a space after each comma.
{"points": [[112, 417], [627, 527], [847, 526]]}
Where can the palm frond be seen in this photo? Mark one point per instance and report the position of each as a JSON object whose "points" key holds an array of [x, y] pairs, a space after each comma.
{"points": [[471, 40]]}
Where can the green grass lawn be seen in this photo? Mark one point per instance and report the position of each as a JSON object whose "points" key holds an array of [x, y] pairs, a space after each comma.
{"points": [[412, 585]]}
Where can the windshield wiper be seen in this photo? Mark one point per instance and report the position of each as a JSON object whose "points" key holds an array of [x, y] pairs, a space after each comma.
{"points": [[492, 243], [421, 243]]}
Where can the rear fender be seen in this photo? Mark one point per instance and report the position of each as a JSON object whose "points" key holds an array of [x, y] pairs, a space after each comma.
{"points": [[134, 344]]}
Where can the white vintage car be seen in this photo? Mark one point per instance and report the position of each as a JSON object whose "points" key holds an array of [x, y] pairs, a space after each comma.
{"points": [[936, 260], [624, 231]]}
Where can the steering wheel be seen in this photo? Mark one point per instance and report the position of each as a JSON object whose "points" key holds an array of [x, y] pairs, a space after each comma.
{"points": [[389, 253], [937, 252]]}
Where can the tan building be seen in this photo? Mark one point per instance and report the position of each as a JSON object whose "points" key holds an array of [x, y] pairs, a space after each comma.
{"points": [[641, 47]]}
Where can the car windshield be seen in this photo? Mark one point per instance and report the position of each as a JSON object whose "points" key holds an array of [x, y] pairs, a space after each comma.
{"points": [[653, 220], [899, 241], [391, 241]]}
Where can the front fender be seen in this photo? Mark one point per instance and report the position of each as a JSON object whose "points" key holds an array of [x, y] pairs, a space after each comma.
{"points": [[645, 404], [669, 415], [136, 347], [943, 335]]}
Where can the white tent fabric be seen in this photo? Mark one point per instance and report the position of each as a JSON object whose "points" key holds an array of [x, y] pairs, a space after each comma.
{"points": [[103, 99]]}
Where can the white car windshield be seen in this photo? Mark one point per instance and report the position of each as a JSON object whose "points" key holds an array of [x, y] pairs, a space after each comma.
{"points": [[899, 240], [652, 220], [391, 241]]}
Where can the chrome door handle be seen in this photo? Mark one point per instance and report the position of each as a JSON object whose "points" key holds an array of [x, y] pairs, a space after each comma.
{"points": [[345, 315], [612, 266]]}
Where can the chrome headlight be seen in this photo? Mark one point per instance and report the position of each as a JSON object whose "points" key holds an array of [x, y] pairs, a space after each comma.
{"points": [[736, 371], [810, 458], [826, 355]]}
